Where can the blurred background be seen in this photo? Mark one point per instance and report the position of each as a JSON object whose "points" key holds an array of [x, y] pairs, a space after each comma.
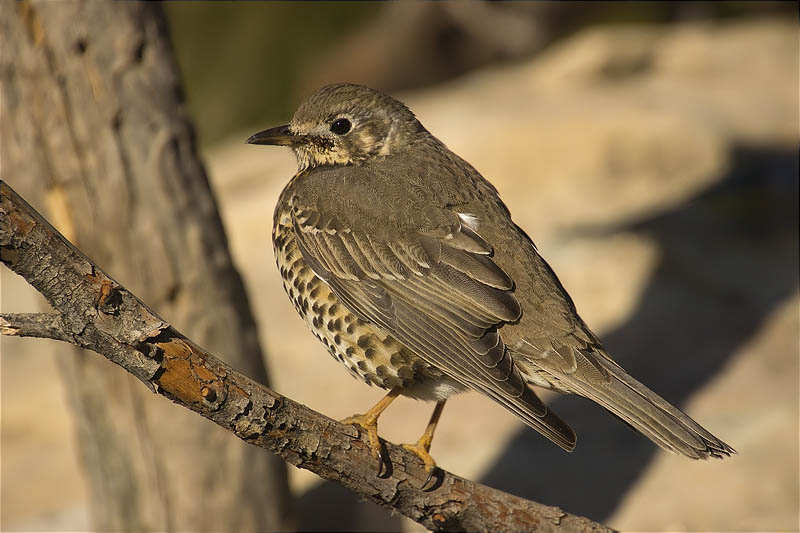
{"points": [[650, 150]]}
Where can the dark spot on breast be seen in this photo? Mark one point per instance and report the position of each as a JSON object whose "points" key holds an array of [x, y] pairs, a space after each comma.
{"points": [[369, 353], [362, 365], [398, 359], [333, 308], [350, 351], [406, 373], [337, 339], [363, 341], [392, 382], [381, 370]]}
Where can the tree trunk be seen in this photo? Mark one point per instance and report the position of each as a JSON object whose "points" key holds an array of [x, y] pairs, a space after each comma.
{"points": [[91, 100]]}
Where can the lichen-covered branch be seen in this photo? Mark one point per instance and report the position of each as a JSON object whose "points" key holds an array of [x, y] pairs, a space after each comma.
{"points": [[95, 312]]}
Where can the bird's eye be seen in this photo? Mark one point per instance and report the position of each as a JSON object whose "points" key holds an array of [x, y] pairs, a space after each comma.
{"points": [[340, 126]]}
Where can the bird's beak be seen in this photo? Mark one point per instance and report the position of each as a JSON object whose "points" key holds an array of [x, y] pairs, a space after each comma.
{"points": [[278, 136]]}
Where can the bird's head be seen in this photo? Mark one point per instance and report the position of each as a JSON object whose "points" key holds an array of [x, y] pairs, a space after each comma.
{"points": [[345, 124]]}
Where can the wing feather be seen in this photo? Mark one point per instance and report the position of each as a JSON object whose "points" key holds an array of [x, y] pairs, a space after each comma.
{"points": [[479, 267], [364, 262], [443, 296]]}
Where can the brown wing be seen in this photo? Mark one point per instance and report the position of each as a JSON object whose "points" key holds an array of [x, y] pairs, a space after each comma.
{"points": [[434, 288]]}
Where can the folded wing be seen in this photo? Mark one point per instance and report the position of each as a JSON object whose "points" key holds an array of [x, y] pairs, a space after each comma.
{"points": [[437, 290]]}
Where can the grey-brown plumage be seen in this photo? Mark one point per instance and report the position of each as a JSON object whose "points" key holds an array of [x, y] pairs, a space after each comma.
{"points": [[404, 261]]}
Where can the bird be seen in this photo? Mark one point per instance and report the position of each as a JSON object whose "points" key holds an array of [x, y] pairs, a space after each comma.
{"points": [[405, 263]]}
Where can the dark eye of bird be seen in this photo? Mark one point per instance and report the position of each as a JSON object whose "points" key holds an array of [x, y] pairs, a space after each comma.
{"points": [[340, 126]]}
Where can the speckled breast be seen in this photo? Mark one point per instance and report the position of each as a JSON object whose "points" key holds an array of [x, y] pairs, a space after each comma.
{"points": [[368, 353]]}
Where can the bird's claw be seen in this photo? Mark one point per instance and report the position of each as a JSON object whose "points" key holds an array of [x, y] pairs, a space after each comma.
{"points": [[428, 480], [380, 463], [370, 425], [420, 449]]}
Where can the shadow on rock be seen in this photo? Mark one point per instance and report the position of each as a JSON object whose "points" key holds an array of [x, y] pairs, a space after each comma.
{"points": [[729, 257]]}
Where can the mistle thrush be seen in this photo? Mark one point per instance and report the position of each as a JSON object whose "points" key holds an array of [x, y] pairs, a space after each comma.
{"points": [[404, 261]]}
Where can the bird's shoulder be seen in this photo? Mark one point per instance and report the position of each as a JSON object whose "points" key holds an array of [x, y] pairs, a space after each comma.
{"points": [[402, 193]]}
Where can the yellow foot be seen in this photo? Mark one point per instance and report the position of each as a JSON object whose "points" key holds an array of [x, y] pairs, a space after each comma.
{"points": [[369, 424], [420, 449]]}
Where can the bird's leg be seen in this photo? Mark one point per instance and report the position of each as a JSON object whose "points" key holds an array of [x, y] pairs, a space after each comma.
{"points": [[423, 445], [369, 423]]}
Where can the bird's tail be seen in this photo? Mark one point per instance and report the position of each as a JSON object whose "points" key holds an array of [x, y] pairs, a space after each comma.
{"points": [[652, 415]]}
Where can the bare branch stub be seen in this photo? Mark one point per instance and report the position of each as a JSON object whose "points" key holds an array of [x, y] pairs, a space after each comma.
{"points": [[97, 313], [40, 325]]}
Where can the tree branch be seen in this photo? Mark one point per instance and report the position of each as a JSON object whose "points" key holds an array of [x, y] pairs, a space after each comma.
{"points": [[95, 312], [40, 325]]}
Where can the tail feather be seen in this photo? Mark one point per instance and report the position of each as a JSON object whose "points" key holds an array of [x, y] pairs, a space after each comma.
{"points": [[653, 416]]}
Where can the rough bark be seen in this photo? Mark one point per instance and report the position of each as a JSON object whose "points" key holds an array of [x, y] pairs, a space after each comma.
{"points": [[95, 312], [95, 133]]}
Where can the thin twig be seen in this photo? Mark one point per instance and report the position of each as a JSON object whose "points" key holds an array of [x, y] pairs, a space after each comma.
{"points": [[41, 325]]}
